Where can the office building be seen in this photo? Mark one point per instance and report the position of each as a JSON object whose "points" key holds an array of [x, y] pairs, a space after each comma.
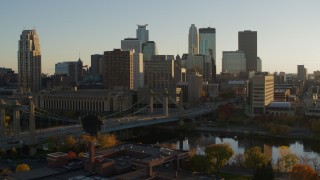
{"points": [[233, 62], [247, 43], [96, 64], [118, 69], [302, 74], [85, 100], [201, 64], [207, 46], [159, 73], [29, 62], [73, 70], [149, 49], [194, 88], [259, 65], [134, 44], [193, 40], [130, 44], [260, 94], [143, 33]]}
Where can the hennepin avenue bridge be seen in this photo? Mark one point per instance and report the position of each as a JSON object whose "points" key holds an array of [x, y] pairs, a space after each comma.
{"points": [[60, 126]]}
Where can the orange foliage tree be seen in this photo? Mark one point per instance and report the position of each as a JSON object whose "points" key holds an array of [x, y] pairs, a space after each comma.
{"points": [[303, 172], [22, 167], [70, 142], [72, 155], [107, 140]]}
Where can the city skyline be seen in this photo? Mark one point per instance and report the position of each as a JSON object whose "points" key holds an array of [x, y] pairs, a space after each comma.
{"points": [[286, 36]]}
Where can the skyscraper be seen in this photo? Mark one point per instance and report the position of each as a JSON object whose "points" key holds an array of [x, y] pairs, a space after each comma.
{"points": [[207, 44], [247, 42], [302, 73], [193, 40], [118, 69], [207, 41], [143, 33], [131, 43], [149, 49], [29, 62], [233, 62]]}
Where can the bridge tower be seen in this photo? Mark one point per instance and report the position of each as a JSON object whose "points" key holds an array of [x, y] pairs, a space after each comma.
{"points": [[151, 101], [32, 123], [165, 103], [16, 120]]}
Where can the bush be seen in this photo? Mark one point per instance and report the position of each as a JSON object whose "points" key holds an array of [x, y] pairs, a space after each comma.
{"points": [[22, 167]]}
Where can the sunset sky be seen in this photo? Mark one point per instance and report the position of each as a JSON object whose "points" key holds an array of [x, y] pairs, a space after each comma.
{"points": [[288, 30]]}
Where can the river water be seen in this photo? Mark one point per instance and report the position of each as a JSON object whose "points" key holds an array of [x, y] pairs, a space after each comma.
{"points": [[304, 149]]}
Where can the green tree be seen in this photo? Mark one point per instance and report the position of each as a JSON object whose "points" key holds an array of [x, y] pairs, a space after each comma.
{"points": [[219, 154], [254, 157], [199, 163], [91, 124], [265, 172]]}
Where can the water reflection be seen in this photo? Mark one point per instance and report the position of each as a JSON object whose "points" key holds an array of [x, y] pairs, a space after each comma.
{"points": [[239, 144]]}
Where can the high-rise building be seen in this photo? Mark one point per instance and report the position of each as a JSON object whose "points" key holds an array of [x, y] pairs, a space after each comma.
{"points": [[247, 42], [260, 94], [159, 73], [29, 62], [207, 45], [134, 44], [193, 40], [302, 74], [131, 43], [118, 69], [96, 64], [233, 62], [73, 70], [207, 41], [259, 65], [143, 33], [149, 49], [201, 64]]}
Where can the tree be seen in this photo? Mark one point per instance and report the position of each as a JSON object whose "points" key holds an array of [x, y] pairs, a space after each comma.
{"points": [[72, 155], [91, 124], [265, 172], [219, 154], [22, 167], [239, 160], [69, 142], [107, 140], [254, 157], [303, 172], [287, 159], [199, 163], [3, 152]]}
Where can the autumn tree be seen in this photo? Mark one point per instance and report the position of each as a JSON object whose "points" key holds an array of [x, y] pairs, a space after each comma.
{"points": [[69, 142], [199, 163], [22, 167], [107, 140], [303, 172], [254, 157], [219, 154], [287, 159], [91, 124], [72, 155]]}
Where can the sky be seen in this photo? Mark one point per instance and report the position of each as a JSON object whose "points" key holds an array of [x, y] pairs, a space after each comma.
{"points": [[288, 30]]}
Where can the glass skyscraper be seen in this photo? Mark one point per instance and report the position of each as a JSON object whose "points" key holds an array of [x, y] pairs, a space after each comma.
{"points": [[143, 33]]}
